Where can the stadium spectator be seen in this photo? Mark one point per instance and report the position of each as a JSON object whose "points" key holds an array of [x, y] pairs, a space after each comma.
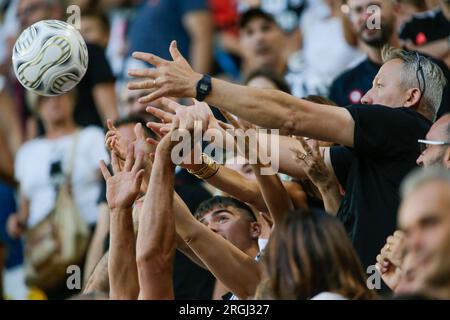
{"points": [[158, 22], [406, 9], [314, 67], [299, 266], [429, 32], [350, 87], [369, 207], [52, 156], [425, 217], [436, 146]]}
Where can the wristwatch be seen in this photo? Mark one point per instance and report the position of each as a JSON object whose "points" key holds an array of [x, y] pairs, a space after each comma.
{"points": [[203, 87]]}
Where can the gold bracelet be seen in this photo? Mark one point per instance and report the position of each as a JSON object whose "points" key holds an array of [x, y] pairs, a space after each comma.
{"points": [[208, 170]]}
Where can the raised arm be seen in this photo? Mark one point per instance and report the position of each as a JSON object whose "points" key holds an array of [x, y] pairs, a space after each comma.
{"points": [[272, 189], [122, 190], [155, 248], [235, 269], [278, 110]]}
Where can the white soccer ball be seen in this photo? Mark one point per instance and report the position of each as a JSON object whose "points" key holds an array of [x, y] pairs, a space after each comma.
{"points": [[50, 57]]}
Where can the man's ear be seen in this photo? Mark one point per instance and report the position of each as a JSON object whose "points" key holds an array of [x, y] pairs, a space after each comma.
{"points": [[255, 229], [446, 159], [413, 97]]}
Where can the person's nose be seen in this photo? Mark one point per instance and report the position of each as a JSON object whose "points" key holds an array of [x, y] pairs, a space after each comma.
{"points": [[419, 160], [213, 227], [367, 99]]}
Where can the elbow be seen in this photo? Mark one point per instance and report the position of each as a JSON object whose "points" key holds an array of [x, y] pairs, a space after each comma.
{"points": [[156, 261]]}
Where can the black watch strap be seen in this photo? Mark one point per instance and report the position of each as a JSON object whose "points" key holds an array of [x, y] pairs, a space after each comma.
{"points": [[203, 87]]}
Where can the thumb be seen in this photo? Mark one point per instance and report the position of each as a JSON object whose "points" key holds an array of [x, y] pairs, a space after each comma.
{"points": [[176, 55]]}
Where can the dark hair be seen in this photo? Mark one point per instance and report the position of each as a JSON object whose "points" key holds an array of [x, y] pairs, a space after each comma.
{"points": [[97, 14], [133, 119], [253, 13], [320, 100], [308, 253], [271, 75], [220, 201]]}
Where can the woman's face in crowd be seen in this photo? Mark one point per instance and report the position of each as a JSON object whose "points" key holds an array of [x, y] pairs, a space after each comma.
{"points": [[54, 110]]}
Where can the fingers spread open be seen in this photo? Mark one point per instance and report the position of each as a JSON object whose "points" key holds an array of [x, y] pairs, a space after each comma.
{"points": [[170, 104]]}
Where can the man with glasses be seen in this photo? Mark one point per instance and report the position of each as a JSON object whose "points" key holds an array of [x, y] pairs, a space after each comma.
{"points": [[435, 148]]}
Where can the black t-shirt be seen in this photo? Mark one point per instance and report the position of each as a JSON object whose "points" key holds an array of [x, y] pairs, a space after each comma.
{"points": [[352, 85], [189, 280], [385, 150], [426, 27], [98, 71]]}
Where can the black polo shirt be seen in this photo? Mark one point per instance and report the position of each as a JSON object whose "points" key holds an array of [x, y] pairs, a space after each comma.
{"points": [[385, 150], [426, 27], [352, 85]]}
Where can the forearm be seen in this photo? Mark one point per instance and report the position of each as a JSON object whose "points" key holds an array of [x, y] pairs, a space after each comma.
{"points": [[438, 49], [234, 184], [200, 28], [155, 247], [331, 197], [106, 101], [122, 267], [239, 272], [96, 247], [201, 53], [99, 279], [246, 103], [274, 194]]}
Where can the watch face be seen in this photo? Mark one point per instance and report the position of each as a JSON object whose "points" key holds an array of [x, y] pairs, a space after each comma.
{"points": [[203, 87]]}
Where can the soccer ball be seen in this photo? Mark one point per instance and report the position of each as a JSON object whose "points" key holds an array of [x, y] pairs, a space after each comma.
{"points": [[50, 57]]}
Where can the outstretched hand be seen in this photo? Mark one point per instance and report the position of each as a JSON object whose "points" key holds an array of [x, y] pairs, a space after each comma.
{"points": [[167, 79], [123, 186]]}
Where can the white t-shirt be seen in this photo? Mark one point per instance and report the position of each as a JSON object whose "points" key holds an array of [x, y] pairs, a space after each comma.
{"points": [[325, 54], [32, 170]]}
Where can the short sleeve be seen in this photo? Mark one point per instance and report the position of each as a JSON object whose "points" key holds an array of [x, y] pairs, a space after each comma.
{"points": [[382, 132], [192, 5], [341, 160]]}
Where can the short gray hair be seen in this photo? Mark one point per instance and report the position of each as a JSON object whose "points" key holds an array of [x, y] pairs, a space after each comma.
{"points": [[435, 80], [421, 176]]}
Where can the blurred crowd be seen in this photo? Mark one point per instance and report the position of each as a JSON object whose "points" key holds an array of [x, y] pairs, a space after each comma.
{"points": [[358, 89]]}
